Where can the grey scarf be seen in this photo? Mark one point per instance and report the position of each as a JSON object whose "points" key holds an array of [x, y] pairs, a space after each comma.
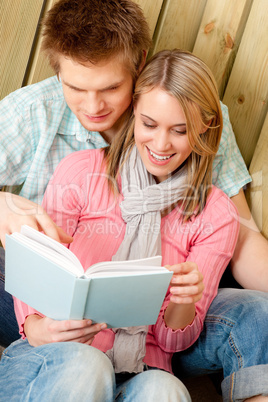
{"points": [[141, 210]]}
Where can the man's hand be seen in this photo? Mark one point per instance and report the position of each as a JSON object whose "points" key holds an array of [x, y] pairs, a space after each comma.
{"points": [[16, 211], [41, 330]]}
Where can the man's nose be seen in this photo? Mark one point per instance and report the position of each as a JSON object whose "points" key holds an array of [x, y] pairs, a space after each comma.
{"points": [[94, 103]]}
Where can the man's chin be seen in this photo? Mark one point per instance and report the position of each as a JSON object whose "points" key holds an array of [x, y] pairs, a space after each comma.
{"points": [[96, 126]]}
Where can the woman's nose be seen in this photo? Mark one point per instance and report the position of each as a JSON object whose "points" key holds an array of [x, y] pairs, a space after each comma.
{"points": [[162, 141]]}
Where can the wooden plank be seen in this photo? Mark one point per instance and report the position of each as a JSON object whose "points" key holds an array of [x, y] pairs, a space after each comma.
{"points": [[247, 90], [18, 21], [219, 36], [40, 67], [258, 192], [151, 9], [178, 25]]}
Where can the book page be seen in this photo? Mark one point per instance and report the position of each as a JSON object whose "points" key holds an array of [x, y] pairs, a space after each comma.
{"points": [[52, 244], [150, 264], [48, 253]]}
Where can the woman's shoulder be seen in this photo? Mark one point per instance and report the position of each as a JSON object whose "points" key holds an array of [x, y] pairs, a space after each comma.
{"points": [[218, 203], [85, 156], [79, 162]]}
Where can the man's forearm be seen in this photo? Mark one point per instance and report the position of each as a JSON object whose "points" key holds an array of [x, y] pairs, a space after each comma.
{"points": [[249, 264], [250, 260]]}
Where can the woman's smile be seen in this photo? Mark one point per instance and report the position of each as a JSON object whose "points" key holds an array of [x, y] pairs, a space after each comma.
{"points": [[159, 159]]}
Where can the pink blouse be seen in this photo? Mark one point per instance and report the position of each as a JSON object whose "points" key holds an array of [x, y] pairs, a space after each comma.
{"points": [[78, 199]]}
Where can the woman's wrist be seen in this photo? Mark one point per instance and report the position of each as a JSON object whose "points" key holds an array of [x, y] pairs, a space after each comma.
{"points": [[31, 329], [179, 316]]}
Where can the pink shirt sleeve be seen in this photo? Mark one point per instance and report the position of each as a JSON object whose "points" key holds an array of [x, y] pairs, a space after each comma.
{"points": [[212, 250]]}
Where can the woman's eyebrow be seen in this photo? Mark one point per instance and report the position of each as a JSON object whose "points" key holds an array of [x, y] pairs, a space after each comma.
{"points": [[150, 118]]}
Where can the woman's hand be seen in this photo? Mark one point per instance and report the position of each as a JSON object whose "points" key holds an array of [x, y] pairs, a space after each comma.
{"points": [[41, 330], [186, 289], [186, 284]]}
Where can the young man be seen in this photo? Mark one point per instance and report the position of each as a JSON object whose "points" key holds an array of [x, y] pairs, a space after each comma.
{"points": [[97, 48]]}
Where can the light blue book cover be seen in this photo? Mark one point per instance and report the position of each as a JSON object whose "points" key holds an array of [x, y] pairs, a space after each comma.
{"points": [[119, 299]]}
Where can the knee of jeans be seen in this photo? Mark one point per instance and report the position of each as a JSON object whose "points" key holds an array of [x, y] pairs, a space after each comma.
{"points": [[254, 311], [254, 322], [174, 389], [248, 338], [85, 357], [234, 303]]}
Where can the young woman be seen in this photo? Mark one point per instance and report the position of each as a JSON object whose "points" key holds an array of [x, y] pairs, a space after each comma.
{"points": [[150, 192]]}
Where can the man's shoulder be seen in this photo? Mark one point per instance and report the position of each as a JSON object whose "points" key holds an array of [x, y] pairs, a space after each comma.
{"points": [[48, 90]]}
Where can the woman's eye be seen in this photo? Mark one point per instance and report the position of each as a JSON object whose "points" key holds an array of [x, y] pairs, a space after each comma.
{"points": [[180, 132], [149, 125]]}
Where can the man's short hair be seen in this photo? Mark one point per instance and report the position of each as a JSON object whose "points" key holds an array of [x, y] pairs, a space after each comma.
{"points": [[95, 30]]}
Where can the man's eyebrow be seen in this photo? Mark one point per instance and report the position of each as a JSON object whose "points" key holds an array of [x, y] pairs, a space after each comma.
{"points": [[71, 86], [115, 84], [150, 118]]}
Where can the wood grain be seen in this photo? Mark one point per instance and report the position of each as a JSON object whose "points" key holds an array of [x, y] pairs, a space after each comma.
{"points": [[247, 90], [178, 24], [219, 36], [258, 192], [18, 22]]}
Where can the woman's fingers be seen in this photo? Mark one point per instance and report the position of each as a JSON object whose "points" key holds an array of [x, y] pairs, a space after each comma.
{"points": [[186, 284]]}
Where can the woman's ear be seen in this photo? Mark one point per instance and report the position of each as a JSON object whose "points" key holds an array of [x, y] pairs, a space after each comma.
{"points": [[205, 128]]}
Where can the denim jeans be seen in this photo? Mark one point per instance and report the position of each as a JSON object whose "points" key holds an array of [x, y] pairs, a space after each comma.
{"points": [[75, 372], [235, 339], [9, 330]]}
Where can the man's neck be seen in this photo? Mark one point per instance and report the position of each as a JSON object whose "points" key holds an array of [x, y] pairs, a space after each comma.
{"points": [[108, 135]]}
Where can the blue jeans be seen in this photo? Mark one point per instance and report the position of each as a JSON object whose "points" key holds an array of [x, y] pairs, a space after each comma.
{"points": [[235, 339], [75, 372], [9, 330]]}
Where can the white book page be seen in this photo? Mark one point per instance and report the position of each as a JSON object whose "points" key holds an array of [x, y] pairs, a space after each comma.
{"points": [[151, 264], [48, 253], [52, 244], [127, 271]]}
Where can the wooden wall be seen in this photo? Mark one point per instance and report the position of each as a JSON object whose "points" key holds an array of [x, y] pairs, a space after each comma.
{"points": [[231, 36]]}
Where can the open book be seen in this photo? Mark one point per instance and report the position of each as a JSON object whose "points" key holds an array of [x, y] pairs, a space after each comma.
{"points": [[49, 277]]}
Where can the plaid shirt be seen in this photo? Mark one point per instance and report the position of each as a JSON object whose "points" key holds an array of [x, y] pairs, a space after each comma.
{"points": [[38, 130]]}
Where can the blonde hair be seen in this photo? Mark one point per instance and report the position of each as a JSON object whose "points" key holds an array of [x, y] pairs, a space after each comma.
{"points": [[190, 81]]}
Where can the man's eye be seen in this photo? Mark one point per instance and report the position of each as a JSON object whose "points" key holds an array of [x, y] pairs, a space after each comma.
{"points": [[76, 89]]}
